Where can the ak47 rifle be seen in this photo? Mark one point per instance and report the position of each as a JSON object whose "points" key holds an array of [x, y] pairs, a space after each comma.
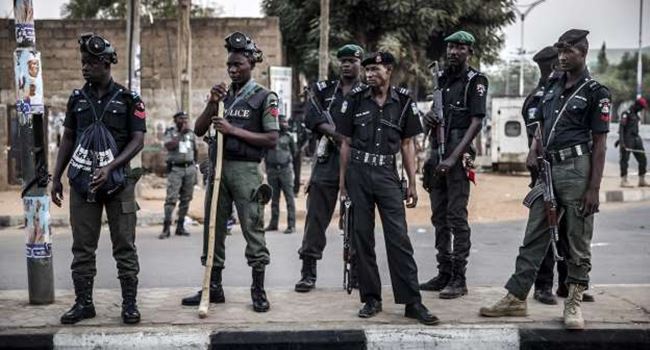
{"points": [[437, 112], [322, 151], [346, 203]]}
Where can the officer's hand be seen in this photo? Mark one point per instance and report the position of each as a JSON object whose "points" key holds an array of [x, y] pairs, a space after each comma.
{"points": [[531, 163], [590, 202], [411, 196], [444, 167], [218, 92], [222, 125], [101, 176], [57, 192]]}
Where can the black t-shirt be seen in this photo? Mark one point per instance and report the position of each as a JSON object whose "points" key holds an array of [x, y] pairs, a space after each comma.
{"points": [[629, 125], [123, 112], [379, 129], [587, 112], [464, 96]]}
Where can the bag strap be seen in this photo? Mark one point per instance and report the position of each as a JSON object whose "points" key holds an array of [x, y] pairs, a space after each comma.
{"points": [[551, 134], [92, 106]]}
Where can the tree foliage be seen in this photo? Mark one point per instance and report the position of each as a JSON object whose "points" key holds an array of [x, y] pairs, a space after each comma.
{"points": [[413, 30], [603, 62], [621, 79], [110, 9]]}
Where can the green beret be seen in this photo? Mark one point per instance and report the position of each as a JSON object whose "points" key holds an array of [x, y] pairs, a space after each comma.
{"points": [[461, 37], [350, 50]]}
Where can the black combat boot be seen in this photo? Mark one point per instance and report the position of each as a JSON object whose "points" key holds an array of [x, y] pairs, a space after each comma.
{"points": [[308, 280], [130, 313], [371, 308], [258, 295], [180, 227], [457, 287], [83, 305], [165, 233], [437, 283], [545, 295], [420, 312], [216, 290]]}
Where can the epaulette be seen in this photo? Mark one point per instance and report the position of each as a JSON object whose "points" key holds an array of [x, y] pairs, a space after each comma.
{"points": [[76, 92], [402, 91], [594, 85], [323, 84], [358, 89], [473, 73]]}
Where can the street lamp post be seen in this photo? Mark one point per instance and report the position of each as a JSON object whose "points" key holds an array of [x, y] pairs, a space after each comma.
{"points": [[639, 63], [522, 50]]}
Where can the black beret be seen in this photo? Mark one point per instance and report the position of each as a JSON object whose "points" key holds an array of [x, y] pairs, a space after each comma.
{"points": [[350, 50], [570, 38], [546, 54], [378, 57]]}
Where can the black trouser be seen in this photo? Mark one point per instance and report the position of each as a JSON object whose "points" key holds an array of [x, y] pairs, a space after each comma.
{"points": [[297, 163], [636, 144], [545, 274], [369, 186], [449, 197], [86, 224], [321, 201]]}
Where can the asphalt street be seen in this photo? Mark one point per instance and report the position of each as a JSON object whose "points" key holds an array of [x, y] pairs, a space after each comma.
{"points": [[621, 254]]}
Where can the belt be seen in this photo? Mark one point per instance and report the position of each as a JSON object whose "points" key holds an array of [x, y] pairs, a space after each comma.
{"points": [[569, 152], [182, 165], [386, 160], [277, 165]]}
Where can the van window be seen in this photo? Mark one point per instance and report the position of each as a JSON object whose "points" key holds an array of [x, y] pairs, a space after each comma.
{"points": [[513, 128]]}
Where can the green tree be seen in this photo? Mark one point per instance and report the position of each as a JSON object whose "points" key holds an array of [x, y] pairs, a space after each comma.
{"points": [[110, 9], [413, 30], [620, 79], [603, 63]]}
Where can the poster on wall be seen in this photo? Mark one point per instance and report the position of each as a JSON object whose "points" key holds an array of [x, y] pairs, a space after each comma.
{"points": [[29, 81], [25, 33], [280, 78], [38, 242]]}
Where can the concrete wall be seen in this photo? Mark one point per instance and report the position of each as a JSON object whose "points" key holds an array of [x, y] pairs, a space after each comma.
{"points": [[57, 42]]}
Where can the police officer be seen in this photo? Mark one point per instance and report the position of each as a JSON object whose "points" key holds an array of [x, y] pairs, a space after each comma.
{"points": [[124, 115], [631, 142], [279, 174], [574, 112], [180, 143], [464, 91], [546, 60], [250, 128], [324, 182], [378, 122]]}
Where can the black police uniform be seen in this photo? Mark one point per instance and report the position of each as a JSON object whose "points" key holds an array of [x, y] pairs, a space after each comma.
{"points": [[630, 139], [323, 185], [464, 97], [123, 114], [376, 133]]}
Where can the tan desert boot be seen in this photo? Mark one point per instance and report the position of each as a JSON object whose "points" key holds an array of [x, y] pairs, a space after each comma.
{"points": [[509, 305], [624, 182], [642, 182], [572, 311]]}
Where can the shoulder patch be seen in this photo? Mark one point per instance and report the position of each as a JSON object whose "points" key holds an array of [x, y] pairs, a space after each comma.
{"points": [[471, 74]]}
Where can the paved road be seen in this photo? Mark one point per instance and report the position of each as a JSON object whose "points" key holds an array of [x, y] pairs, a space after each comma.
{"points": [[621, 254]]}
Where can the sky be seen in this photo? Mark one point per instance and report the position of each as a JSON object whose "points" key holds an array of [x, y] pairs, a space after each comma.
{"points": [[615, 22]]}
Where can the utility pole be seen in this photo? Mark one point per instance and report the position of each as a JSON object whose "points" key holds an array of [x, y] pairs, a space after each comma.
{"points": [[522, 50], [639, 63], [184, 53], [33, 149], [323, 49], [133, 49]]}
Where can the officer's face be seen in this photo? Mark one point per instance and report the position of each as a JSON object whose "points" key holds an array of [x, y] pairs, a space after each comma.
{"points": [[571, 59], [239, 68], [377, 74], [457, 54], [350, 67], [180, 121], [93, 68]]}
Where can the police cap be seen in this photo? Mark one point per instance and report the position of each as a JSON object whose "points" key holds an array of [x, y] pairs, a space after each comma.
{"points": [[179, 114], [570, 38], [461, 37], [546, 54], [350, 50], [379, 57]]}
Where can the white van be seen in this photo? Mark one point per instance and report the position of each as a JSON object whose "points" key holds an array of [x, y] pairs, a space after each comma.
{"points": [[509, 143]]}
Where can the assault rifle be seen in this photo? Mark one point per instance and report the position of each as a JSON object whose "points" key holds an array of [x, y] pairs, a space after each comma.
{"points": [[346, 203], [324, 142], [437, 112]]}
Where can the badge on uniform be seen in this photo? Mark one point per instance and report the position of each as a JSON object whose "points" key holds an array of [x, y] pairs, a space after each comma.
{"points": [[139, 110], [604, 110], [531, 113], [414, 108], [480, 89], [344, 106]]}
